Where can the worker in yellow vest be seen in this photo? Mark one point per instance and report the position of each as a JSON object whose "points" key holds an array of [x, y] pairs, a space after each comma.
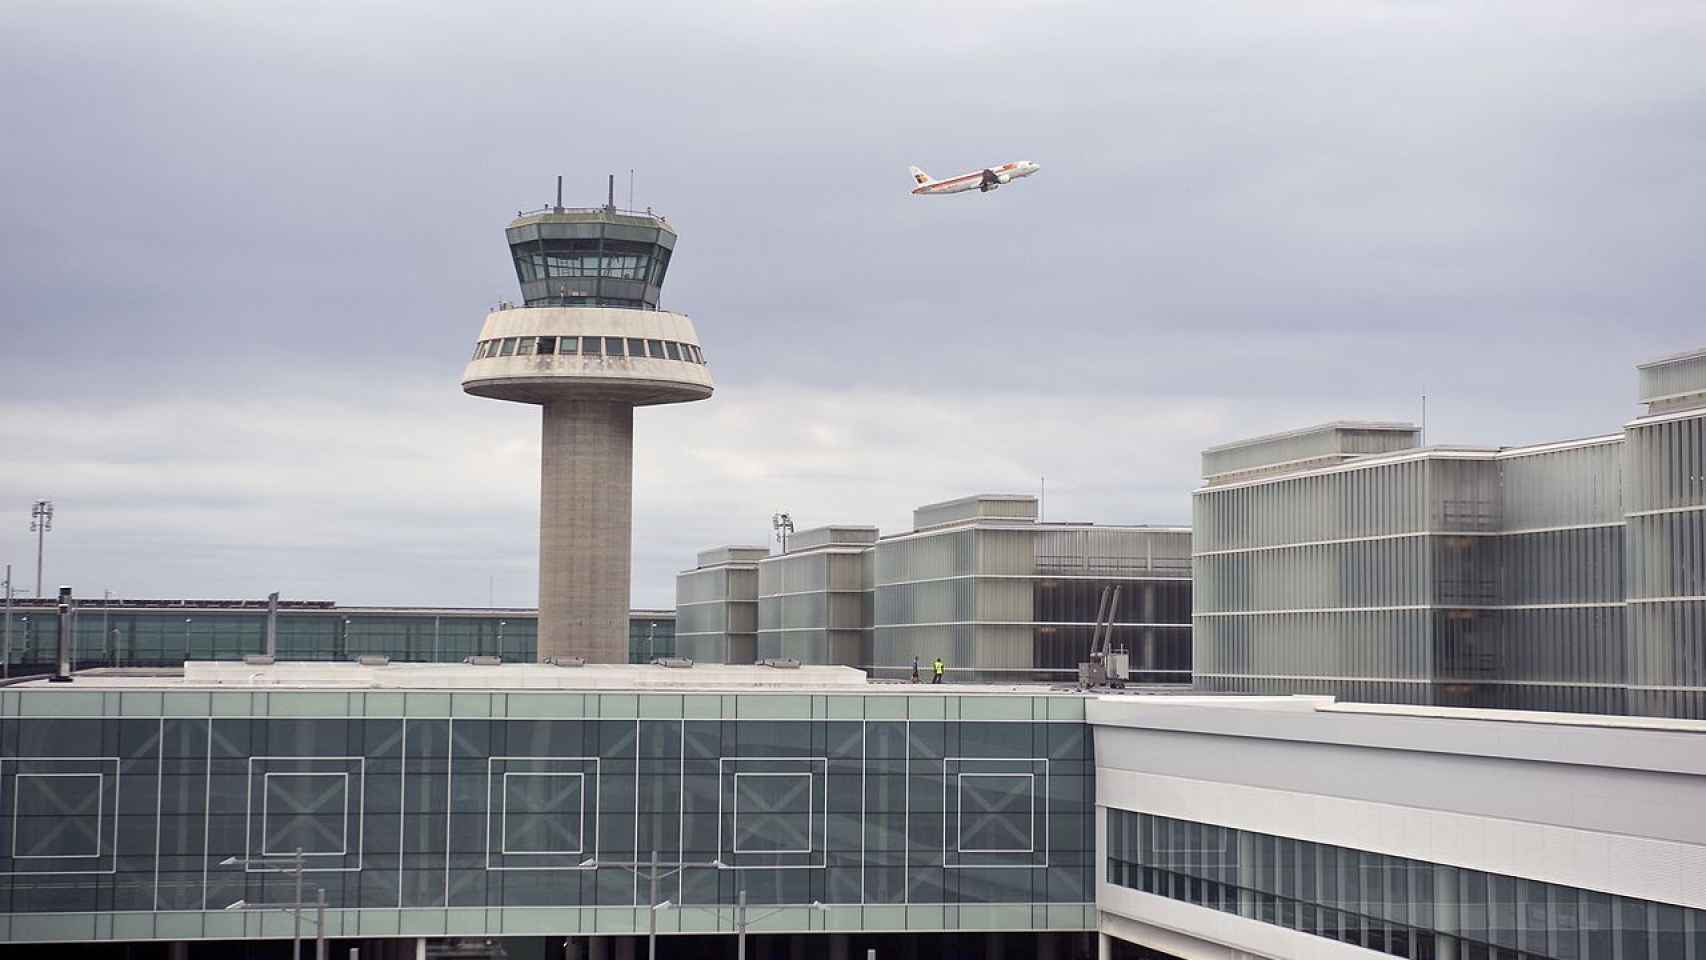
{"points": [[936, 669]]}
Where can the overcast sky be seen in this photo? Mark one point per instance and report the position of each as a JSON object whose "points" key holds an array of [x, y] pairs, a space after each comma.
{"points": [[247, 249]]}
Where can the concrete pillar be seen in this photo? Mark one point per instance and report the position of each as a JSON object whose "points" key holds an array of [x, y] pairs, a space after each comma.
{"points": [[586, 503], [1104, 947]]}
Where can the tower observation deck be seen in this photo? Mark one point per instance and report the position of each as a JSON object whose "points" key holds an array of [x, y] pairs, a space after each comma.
{"points": [[589, 346]]}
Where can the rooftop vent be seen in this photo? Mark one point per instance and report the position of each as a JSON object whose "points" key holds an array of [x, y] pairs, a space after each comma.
{"points": [[674, 663], [566, 661], [483, 661], [780, 663]]}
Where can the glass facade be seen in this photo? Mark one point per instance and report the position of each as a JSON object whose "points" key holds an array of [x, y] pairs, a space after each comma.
{"points": [[813, 601], [1462, 578], [609, 347], [1011, 599], [999, 596], [134, 634], [716, 606], [471, 799], [1392, 905], [594, 257], [1666, 562]]}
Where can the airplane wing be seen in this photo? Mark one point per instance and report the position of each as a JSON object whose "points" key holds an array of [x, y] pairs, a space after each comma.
{"points": [[989, 177]]}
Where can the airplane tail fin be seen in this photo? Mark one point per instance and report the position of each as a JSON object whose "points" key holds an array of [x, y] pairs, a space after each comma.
{"points": [[919, 176]]}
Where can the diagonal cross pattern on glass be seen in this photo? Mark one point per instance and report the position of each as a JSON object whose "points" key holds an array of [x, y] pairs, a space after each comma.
{"points": [[542, 812], [996, 813], [773, 812], [57, 815], [306, 811]]}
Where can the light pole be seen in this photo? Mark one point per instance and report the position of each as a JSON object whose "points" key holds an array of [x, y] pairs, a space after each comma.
{"points": [[652, 875], [6, 659], [41, 521], [294, 865], [743, 919]]}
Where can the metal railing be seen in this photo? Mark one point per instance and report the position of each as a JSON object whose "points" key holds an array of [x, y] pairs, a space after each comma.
{"points": [[603, 208]]}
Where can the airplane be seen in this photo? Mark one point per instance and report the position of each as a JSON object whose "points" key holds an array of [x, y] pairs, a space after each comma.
{"points": [[985, 180]]}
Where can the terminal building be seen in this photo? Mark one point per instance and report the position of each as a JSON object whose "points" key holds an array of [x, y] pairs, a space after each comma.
{"points": [[980, 581], [515, 810], [1347, 560], [166, 633]]}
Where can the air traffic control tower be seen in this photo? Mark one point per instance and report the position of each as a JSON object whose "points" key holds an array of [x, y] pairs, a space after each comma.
{"points": [[588, 346]]}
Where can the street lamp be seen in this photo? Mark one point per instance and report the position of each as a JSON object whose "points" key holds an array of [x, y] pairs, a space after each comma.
{"points": [[294, 865], [743, 920], [652, 875]]}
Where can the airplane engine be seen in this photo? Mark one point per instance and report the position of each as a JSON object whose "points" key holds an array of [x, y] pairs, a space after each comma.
{"points": [[1004, 178], [990, 186]]}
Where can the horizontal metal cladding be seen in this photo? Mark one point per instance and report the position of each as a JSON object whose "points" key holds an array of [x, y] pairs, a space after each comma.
{"points": [[1377, 499], [1563, 484], [1666, 458], [448, 812], [1392, 644], [1009, 506], [717, 556], [1683, 375], [1322, 443]]}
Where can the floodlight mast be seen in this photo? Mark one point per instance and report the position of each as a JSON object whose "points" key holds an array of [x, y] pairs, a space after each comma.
{"points": [[41, 521]]}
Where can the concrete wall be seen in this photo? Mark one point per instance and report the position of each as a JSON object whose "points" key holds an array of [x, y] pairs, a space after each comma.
{"points": [[586, 494]]}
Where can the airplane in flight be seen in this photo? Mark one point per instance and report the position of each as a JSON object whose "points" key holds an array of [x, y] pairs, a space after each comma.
{"points": [[985, 180]]}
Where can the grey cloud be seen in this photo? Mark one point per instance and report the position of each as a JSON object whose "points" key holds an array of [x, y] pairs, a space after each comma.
{"points": [[1248, 218]]}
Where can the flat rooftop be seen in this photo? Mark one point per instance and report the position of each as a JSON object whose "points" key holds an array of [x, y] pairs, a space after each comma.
{"points": [[639, 678]]}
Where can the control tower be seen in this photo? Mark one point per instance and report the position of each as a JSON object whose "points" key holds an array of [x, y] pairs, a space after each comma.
{"points": [[588, 346]]}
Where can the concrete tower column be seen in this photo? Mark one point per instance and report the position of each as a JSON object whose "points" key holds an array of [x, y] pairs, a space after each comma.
{"points": [[586, 495]]}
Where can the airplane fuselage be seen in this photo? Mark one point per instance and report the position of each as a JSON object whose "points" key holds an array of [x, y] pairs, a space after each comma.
{"points": [[987, 179]]}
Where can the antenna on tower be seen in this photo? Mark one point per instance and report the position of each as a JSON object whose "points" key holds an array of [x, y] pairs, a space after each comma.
{"points": [[559, 206]]}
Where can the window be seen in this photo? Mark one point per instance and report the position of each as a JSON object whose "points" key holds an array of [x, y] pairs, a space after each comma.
{"points": [[613, 346], [525, 347], [589, 346], [674, 350], [636, 347], [568, 344], [547, 345], [697, 356], [479, 350], [656, 348], [508, 347]]}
